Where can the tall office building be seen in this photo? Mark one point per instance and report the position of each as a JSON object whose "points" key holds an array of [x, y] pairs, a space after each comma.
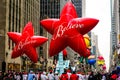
{"points": [[15, 14], [95, 48], [80, 7], [115, 30], [2, 33], [48, 9]]}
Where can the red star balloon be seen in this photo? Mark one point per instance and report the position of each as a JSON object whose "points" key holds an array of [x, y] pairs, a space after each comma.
{"points": [[68, 31], [26, 42]]}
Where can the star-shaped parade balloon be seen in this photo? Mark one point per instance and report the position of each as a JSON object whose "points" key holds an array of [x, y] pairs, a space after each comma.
{"points": [[26, 42], [68, 31]]}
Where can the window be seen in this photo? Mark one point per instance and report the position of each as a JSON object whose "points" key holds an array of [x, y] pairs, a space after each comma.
{"points": [[41, 50]]}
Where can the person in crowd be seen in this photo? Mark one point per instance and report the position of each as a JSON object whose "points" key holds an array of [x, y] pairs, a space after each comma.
{"points": [[11, 75], [37, 75], [99, 76], [18, 77], [80, 76], [51, 75], [64, 76], [1, 75], [74, 76], [31, 76], [118, 77], [91, 76], [6, 77], [21, 77], [69, 73], [14, 75], [44, 76], [24, 76], [103, 77], [113, 77], [56, 76], [86, 75]]}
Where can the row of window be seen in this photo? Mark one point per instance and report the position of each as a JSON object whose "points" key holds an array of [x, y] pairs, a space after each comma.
{"points": [[14, 18], [51, 9], [31, 12], [78, 6], [48, 8]]}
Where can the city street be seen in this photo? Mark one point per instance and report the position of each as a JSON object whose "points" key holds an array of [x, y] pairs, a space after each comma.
{"points": [[60, 40]]}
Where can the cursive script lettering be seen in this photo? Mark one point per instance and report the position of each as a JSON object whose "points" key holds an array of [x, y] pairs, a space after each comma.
{"points": [[62, 29], [26, 42]]}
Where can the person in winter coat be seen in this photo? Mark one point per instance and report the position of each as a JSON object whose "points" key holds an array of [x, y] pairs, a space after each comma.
{"points": [[92, 76], [31, 75], [74, 76], [64, 76]]}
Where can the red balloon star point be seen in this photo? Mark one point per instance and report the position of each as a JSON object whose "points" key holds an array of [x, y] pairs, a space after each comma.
{"points": [[69, 31], [26, 42]]}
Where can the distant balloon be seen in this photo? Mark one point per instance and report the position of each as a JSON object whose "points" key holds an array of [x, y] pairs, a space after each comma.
{"points": [[91, 57], [69, 31], [91, 61], [104, 67], [87, 40], [100, 62], [100, 58], [26, 42]]}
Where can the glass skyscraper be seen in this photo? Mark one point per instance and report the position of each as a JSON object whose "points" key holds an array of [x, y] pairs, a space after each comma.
{"points": [[48, 9], [78, 6]]}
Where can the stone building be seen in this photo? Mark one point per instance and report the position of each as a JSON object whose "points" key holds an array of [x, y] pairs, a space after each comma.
{"points": [[15, 14]]}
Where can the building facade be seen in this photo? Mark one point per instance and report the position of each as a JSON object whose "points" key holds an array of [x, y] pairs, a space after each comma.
{"points": [[114, 34], [95, 49], [48, 9], [3, 48], [15, 14], [80, 7]]}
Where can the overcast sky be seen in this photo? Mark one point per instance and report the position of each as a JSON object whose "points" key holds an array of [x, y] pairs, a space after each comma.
{"points": [[100, 9]]}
